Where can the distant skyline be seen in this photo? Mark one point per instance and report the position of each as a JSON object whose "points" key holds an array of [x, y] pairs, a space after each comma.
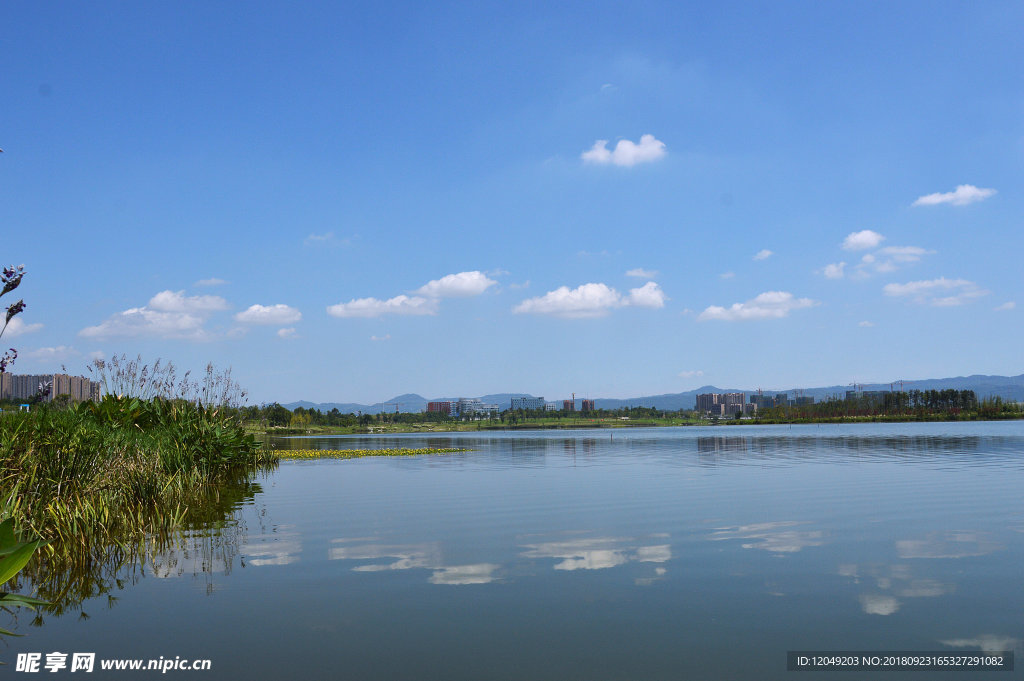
{"points": [[345, 203]]}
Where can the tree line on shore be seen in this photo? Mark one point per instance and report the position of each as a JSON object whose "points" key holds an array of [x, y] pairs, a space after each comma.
{"points": [[274, 415], [910, 404]]}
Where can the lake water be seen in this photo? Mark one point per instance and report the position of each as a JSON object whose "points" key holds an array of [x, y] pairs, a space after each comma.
{"points": [[687, 553]]}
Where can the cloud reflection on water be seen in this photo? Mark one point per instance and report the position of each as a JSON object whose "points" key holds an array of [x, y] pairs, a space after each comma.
{"points": [[891, 583], [477, 573], [424, 556], [776, 537], [282, 547], [409, 556], [597, 553], [947, 545], [989, 643]]}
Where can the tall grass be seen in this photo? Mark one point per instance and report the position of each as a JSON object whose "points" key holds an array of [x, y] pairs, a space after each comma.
{"points": [[125, 377], [101, 468]]}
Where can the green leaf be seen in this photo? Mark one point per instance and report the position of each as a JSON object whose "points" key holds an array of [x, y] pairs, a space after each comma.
{"points": [[22, 601], [7, 537], [12, 562]]}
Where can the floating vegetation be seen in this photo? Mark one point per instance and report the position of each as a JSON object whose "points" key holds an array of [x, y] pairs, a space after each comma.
{"points": [[356, 453]]}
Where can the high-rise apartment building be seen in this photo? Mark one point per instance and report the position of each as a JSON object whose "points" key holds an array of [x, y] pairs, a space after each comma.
{"points": [[26, 386], [440, 408], [527, 403]]}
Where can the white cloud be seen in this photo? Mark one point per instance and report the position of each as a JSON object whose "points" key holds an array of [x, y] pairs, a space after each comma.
{"points": [[591, 300], [961, 196], [905, 253], [142, 321], [626, 153], [372, 307], [862, 240], [1008, 305], [931, 292], [642, 273], [866, 324], [690, 374], [768, 305], [763, 254], [269, 314], [212, 281], [588, 300], [385, 337], [726, 275], [461, 285], [287, 333], [61, 352], [648, 295], [888, 259], [97, 354], [177, 301], [17, 327], [168, 314], [424, 301], [834, 271], [895, 256], [318, 238]]}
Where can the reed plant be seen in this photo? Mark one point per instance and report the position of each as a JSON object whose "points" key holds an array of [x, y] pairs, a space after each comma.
{"points": [[131, 377], [107, 474], [199, 520]]}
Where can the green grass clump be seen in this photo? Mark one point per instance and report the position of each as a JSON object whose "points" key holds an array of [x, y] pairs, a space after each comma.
{"points": [[356, 453]]}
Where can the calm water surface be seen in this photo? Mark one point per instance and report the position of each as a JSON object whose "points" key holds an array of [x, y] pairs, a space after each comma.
{"points": [[690, 553]]}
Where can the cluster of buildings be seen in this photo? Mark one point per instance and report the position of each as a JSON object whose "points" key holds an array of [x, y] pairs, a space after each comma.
{"points": [[462, 407], [26, 386], [875, 397], [730, 404], [527, 403]]}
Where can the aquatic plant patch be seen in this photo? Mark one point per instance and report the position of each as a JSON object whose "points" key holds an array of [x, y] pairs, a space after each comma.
{"points": [[356, 453]]}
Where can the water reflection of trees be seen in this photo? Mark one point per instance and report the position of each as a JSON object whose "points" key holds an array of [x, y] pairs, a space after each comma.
{"points": [[837, 448], [736, 447], [74, 578], [521, 448]]}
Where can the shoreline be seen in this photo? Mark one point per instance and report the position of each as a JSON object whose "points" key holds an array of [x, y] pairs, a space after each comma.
{"points": [[404, 429]]}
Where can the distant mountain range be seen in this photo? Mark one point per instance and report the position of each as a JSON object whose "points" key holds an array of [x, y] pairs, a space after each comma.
{"points": [[1007, 387]]}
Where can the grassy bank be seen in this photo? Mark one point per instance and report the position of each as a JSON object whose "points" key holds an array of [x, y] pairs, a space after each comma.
{"points": [[120, 468]]}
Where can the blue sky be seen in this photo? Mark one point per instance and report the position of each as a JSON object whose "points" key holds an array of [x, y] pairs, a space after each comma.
{"points": [[348, 201]]}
